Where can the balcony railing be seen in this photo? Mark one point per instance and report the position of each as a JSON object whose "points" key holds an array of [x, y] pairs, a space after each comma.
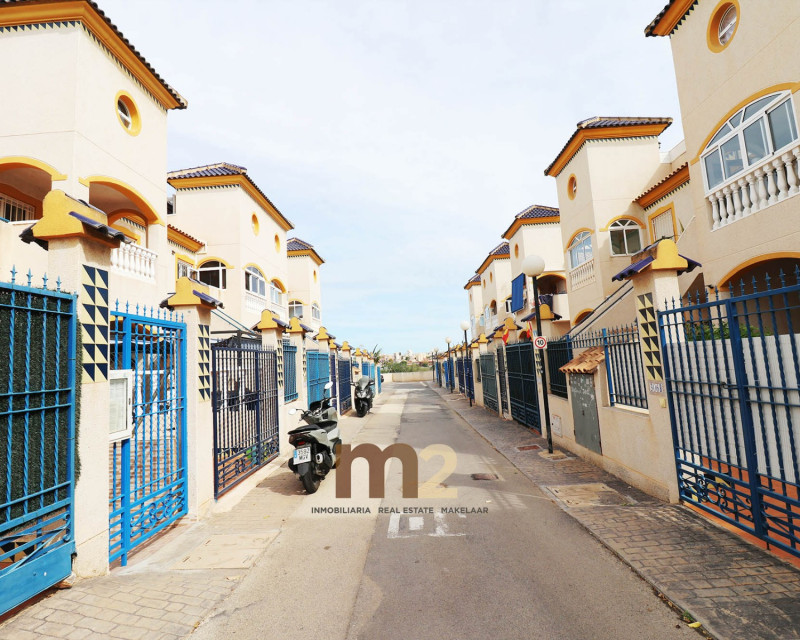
{"points": [[582, 275], [281, 310], [131, 259], [762, 186], [254, 303]]}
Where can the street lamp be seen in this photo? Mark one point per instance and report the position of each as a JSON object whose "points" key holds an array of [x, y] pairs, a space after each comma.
{"points": [[467, 361], [449, 366], [533, 266]]}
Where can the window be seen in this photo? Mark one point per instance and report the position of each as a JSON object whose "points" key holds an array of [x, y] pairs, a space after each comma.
{"points": [[15, 210], [626, 237], [128, 114], [254, 225], [316, 314], [722, 26], [276, 294], [727, 25], [580, 249], [755, 133], [186, 270], [254, 282], [572, 187], [296, 309], [214, 274], [662, 226], [508, 305]]}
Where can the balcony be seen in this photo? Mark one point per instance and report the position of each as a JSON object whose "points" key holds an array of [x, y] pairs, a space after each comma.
{"points": [[582, 275], [133, 260], [254, 303], [764, 185], [561, 305]]}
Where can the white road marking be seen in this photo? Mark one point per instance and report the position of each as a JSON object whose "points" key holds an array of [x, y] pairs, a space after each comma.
{"points": [[394, 526], [416, 523]]}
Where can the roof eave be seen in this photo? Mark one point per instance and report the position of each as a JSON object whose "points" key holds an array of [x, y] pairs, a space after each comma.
{"points": [[669, 18]]}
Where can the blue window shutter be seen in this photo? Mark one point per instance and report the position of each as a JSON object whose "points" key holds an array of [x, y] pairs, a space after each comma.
{"points": [[517, 296]]}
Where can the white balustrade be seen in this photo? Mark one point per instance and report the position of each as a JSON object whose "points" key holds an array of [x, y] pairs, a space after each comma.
{"points": [[254, 303], [762, 186], [131, 259], [582, 275]]}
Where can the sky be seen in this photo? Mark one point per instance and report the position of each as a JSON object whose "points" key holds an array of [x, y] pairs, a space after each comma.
{"points": [[399, 137]]}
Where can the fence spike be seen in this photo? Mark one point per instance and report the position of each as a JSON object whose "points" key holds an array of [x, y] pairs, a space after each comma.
{"points": [[797, 274], [741, 285], [13, 273], [755, 284], [716, 293], [782, 278], [44, 281], [30, 277], [127, 306], [137, 308], [767, 280], [116, 304]]}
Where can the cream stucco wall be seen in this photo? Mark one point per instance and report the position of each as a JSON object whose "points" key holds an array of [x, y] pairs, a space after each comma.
{"points": [[761, 55], [303, 286]]}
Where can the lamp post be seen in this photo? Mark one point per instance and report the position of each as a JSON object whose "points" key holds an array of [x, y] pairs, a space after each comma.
{"points": [[533, 266], [449, 366], [467, 360]]}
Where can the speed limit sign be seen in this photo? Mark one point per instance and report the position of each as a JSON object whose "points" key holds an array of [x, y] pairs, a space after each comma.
{"points": [[540, 342]]}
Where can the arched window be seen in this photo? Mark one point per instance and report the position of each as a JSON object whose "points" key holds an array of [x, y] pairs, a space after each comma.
{"points": [[580, 249], [214, 274], [626, 237], [296, 309], [760, 130], [275, 293], [316, 314], [255, 282]]}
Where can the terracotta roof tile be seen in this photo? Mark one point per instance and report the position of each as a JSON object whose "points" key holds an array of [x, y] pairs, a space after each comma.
{"points": [[585, 362]]}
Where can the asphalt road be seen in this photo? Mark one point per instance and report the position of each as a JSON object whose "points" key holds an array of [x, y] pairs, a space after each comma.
{"points": [[500, 560]]}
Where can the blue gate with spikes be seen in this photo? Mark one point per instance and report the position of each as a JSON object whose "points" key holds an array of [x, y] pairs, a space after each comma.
{"points": [[732, 370], [147, 353], [37, 438]]}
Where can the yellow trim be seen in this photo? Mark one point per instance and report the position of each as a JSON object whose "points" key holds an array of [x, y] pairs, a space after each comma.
{"points": [[294, 326], [185, 258], [322, 334], [254, 224], [15, 193], [552, 273], [297, 300], [712, 33], [639, 223], [545, 312], [145, 208], [575, 235], [482, 339], [678, 179], [572, 186], [130, 234], [604, 133], [23, 162], [42, 13], [520, 222], [135, 127], [267, 322], [306, 252], [56, 221], [657, 213], [206, 259], [236, 180], [260, 270], [184, 295], [188, 243], [315, 275], [776, 255], [469, 285], [280, 284], [792, 87], [671, 18], [490, 259], [277, 243], [666, 257], [581, 315], [345, 346]]}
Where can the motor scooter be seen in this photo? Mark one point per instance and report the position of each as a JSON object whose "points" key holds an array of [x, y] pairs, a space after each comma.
{"points": [[364, 394], [317, 444]]}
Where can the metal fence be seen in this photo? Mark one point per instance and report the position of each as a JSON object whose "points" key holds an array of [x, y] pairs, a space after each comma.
{"points": [[624, 368], [317, 366], [345, 398], [289, 371], [489, 381], [559, 353], [245, 393], [37, 439]]}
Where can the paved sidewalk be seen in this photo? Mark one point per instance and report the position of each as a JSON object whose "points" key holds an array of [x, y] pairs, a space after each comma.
{"points": [[735, 589]]}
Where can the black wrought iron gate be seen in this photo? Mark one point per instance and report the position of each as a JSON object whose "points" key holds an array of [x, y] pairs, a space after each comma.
{"points": [[501, 376], [522, 386], [489, 380], [245, 391]]}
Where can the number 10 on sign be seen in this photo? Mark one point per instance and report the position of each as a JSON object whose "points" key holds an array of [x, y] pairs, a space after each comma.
{"points": [[540, 342]]}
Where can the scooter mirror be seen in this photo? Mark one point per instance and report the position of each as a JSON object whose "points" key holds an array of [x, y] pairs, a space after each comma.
{"points": [[329, 385], [292, 411]]}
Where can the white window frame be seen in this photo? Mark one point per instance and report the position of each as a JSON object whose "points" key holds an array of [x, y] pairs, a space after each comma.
{"points": [[316, 312], [623, 226], [255, 282], [581, 246], [507, 305], [186, 269], [219, 267], [736, 126], [275, 294], [670, 214], [293, 305]]}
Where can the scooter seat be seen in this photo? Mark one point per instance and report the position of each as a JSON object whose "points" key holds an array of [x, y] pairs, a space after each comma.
{"points": [[309, 427]]}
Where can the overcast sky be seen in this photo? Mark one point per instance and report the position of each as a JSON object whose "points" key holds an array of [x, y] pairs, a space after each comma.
{"points": [[400, 137]]}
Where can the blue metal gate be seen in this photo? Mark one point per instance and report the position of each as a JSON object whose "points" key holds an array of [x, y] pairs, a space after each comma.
{"points": [[334, 379], [378, 380], [732, 369], [345, 399], [318, 375], [148, 468], [460, 373], [245, 393], [37, 439], [522, 387]]}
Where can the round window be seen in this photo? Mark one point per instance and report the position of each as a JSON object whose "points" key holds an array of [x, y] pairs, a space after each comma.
{"points": [[572, 187], [128, 114], [723, 24], [516, 251], [254, 223]]}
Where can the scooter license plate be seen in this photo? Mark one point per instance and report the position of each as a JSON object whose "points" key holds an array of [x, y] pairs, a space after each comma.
{"points": [[301, 455]]}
